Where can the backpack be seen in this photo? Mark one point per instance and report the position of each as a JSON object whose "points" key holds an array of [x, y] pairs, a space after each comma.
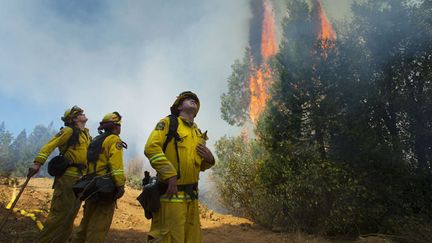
{"points": [[92, 187], [95, 148]]}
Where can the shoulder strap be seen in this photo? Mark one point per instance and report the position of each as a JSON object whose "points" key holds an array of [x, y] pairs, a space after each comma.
{"points": [[172, 133], [95, 148]]}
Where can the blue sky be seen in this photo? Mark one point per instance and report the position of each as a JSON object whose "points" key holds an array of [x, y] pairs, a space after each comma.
{"points": [[19, 115]]}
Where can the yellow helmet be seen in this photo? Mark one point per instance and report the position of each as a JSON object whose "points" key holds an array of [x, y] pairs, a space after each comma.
{"points": [[110, 119], [71, 113], [180, 98]]}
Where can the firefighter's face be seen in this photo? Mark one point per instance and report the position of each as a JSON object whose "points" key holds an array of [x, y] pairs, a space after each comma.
{"points": [[81, 118], [189, 104], [117, 129]]}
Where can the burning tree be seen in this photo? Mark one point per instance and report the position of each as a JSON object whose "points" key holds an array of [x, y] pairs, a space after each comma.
{"points": [[341, 117], [345, 137], [250, 82]]}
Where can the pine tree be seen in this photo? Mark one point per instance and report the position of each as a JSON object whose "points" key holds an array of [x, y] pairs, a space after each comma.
{"points": [[6, 165], [235, 103]]}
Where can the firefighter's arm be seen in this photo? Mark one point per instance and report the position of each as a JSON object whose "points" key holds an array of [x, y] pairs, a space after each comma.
{"points": [[116, 161], [153, 151], [208, 159], [59, 139]]}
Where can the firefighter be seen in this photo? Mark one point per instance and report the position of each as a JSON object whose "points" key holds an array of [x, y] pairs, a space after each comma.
{"points": [[98, 215], [178, 165], [72, 142]]}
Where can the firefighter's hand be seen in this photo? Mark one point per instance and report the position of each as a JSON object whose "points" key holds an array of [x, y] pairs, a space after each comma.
{"points": [[205, 153], [172, 187], [120, 192], [33, 170]]}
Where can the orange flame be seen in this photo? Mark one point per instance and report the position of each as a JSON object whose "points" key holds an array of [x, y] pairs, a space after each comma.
{"points": [[325, 28], [268, 35], [259, 84], [260, 79]]}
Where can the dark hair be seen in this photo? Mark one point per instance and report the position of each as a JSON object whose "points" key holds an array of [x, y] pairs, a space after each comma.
{"points": [[106, 132], [174, 110], [107, 127], [74, 139]]}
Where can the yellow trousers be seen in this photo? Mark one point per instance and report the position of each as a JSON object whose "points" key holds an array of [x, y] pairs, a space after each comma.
{"points": [[64, 208], [96, 223], [177, 221]]}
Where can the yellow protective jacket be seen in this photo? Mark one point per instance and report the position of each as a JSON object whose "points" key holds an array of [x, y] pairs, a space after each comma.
{"points": [[77, 154], [166, 163], [111, 160]]}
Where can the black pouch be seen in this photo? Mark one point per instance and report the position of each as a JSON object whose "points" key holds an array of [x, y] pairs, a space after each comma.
{"points": [[57, 166], [94, 188], [150, 196]]}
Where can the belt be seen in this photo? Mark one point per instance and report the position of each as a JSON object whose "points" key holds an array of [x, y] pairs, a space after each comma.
{"points": [[189, 189], [77, 173], [79, 166]]}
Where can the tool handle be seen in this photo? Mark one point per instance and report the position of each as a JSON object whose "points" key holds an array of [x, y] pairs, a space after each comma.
{"points": [[19, 194], [14, 203]]}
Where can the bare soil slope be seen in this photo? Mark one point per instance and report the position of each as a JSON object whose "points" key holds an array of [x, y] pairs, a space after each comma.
{"points": [[129, 224]]}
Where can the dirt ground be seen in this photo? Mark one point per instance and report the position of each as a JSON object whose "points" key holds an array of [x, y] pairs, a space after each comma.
{"points": [[129, 223]]}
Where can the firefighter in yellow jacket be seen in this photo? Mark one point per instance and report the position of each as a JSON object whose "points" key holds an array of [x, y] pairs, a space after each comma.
{"points": [[178, 167], [72, 141], [98, 215]]}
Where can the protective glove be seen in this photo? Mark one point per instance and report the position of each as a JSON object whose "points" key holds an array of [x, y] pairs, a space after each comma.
{"points": [[120, 192], [34, 169]]}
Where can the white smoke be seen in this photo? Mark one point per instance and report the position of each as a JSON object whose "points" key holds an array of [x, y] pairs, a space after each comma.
{"points": [[129, 56]]}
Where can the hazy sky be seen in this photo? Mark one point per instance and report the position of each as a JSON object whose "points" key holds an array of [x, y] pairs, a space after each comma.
{"points": [[128, 56], [338, 9]]}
